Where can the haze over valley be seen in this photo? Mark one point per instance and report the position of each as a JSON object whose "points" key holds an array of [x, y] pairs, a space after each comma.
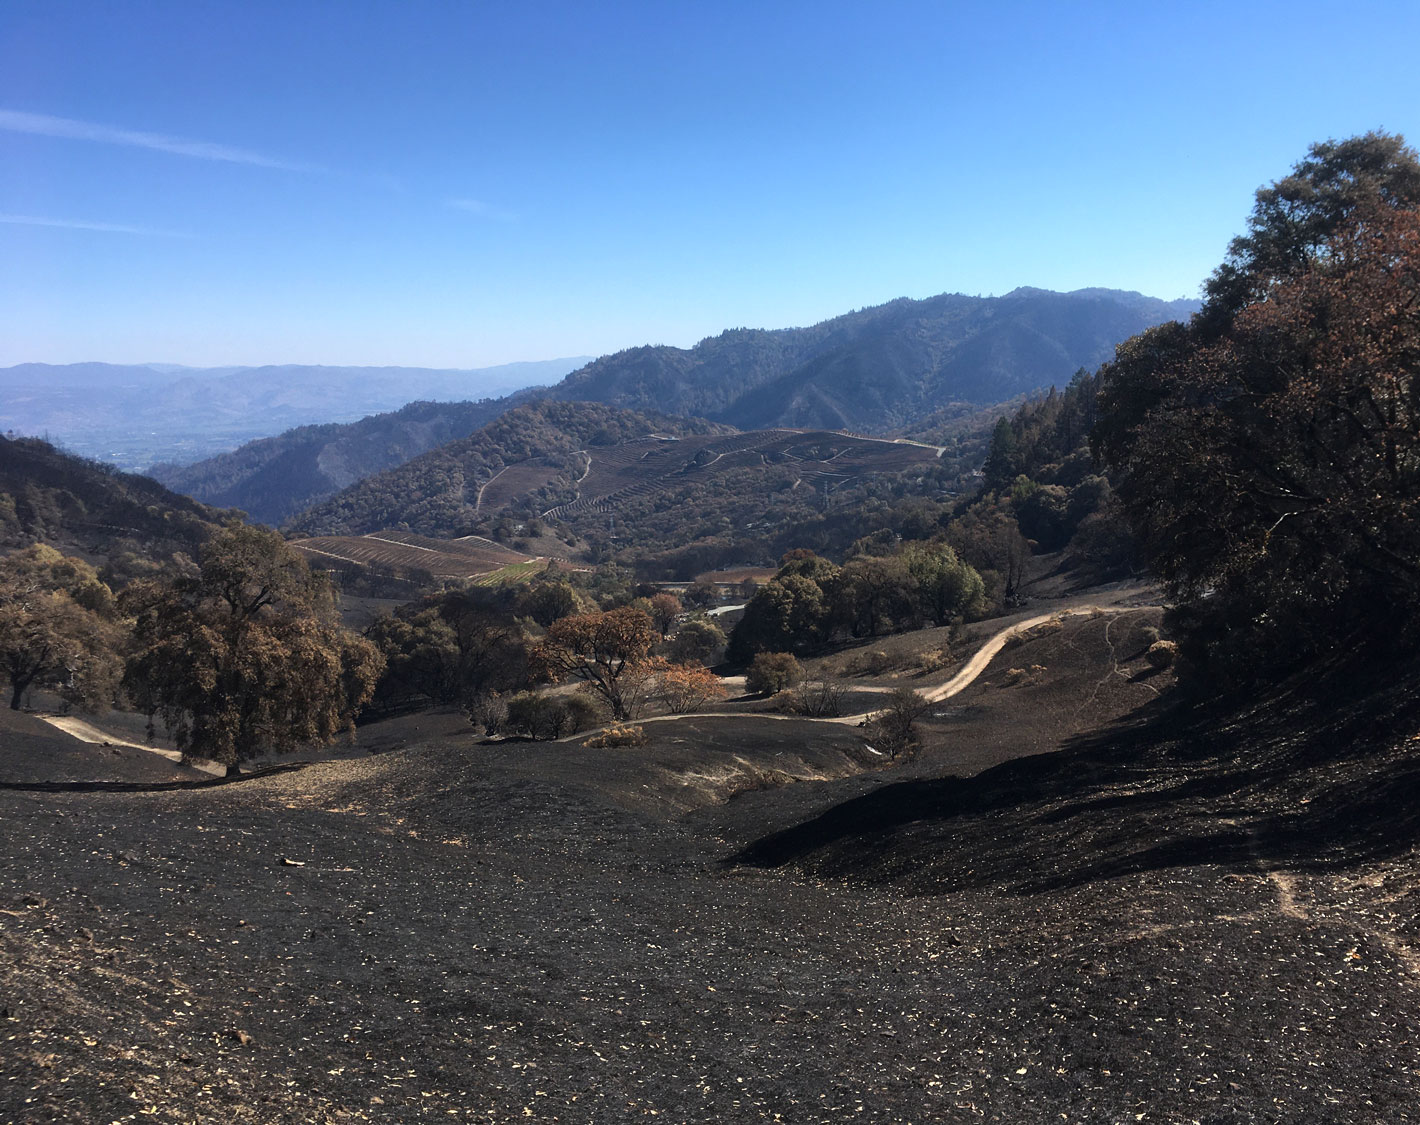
{"points": [[135, 415]]}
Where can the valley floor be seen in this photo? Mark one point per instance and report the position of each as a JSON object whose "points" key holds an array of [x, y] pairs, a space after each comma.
{"points": [[1029, 923]]}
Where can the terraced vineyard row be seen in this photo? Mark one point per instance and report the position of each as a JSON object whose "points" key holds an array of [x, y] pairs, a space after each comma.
{"points": [[444, 558]]}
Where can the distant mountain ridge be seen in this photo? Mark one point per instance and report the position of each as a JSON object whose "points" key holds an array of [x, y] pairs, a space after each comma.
{"points": [[879, 368], [136, 415]]}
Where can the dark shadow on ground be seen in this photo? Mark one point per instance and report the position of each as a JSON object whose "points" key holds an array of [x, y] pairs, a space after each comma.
{"points": [[1294, 778], [146, 787]]}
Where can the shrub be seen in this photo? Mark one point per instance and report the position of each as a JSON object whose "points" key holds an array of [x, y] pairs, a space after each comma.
{"points": [[819, 699], [1161, 654], [772, 672], [539, 716], [893, 731], [488, 710], [617, 737], [934, 659], [583, 711], [874, 663]]}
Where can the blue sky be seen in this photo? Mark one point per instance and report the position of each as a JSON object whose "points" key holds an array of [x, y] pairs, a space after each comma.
{"points": [[463, 184]]}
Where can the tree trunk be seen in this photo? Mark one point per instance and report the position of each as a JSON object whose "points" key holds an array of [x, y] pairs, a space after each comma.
{"points": [[19, 683]]}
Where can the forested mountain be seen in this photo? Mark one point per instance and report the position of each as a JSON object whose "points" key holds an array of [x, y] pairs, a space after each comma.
{"points": [[880, 368], [438, 493], [135, 415], [274, 478]]}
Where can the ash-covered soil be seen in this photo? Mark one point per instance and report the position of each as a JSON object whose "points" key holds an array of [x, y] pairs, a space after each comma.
{"points": [[742, 921]]}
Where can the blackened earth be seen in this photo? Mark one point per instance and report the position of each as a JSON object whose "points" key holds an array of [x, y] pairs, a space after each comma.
{"points": [[743, 921]]}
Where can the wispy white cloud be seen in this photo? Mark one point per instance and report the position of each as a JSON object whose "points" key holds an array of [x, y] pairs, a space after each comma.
{"points": [[44, 125], [478, 207], [81, 224]]}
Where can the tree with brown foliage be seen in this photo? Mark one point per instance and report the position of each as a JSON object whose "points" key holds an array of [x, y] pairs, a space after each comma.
{"points": [[601, 649], [689, 687], [242, 655], [56, 628], [665, 608], [1294, 218], [1272, 472]]}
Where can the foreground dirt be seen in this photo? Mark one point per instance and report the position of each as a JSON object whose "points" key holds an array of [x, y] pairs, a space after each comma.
{"points": [[1125, 929]]}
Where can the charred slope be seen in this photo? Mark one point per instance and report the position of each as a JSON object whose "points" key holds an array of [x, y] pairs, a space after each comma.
{"points": [[1319, 775], [877, 368], [543, 931]]}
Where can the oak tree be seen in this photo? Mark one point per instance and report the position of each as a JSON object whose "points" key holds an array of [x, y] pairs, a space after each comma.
{"points": [[601, 649], [242, 654], [56, 628], [1270, 469]]}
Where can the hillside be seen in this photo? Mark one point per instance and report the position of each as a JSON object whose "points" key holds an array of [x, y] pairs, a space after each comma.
{"points": [[647, 486], [90, 508], [438, 493], [272, 479], [190, 413], [880, 368], [402, 552]]}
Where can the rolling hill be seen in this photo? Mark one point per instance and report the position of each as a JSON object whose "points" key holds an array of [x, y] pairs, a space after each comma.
{"points": [[614, 480], [83, 507], [440, 492]]}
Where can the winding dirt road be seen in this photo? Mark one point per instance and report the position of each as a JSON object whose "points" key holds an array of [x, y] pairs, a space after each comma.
{"points": [[963, 679], [87, 732]]}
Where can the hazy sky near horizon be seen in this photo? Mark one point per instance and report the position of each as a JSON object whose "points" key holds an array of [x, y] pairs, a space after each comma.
{"points": [[460, 184]]}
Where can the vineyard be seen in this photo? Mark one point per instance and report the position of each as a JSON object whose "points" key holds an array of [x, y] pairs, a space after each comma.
{"points": [[469, 557], [514, 482]]}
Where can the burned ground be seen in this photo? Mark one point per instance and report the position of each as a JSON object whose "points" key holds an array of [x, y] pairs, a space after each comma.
{"points": [[1172, 918]]}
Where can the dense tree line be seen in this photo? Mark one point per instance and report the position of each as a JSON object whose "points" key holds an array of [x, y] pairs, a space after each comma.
{"points": [[812, 600], [239, 651]]}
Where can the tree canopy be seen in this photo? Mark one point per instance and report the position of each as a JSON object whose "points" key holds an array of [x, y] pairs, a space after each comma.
{"points": [[1271, 470], [56, 628], [601, 649], [1294, 217], [241, 654]]}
